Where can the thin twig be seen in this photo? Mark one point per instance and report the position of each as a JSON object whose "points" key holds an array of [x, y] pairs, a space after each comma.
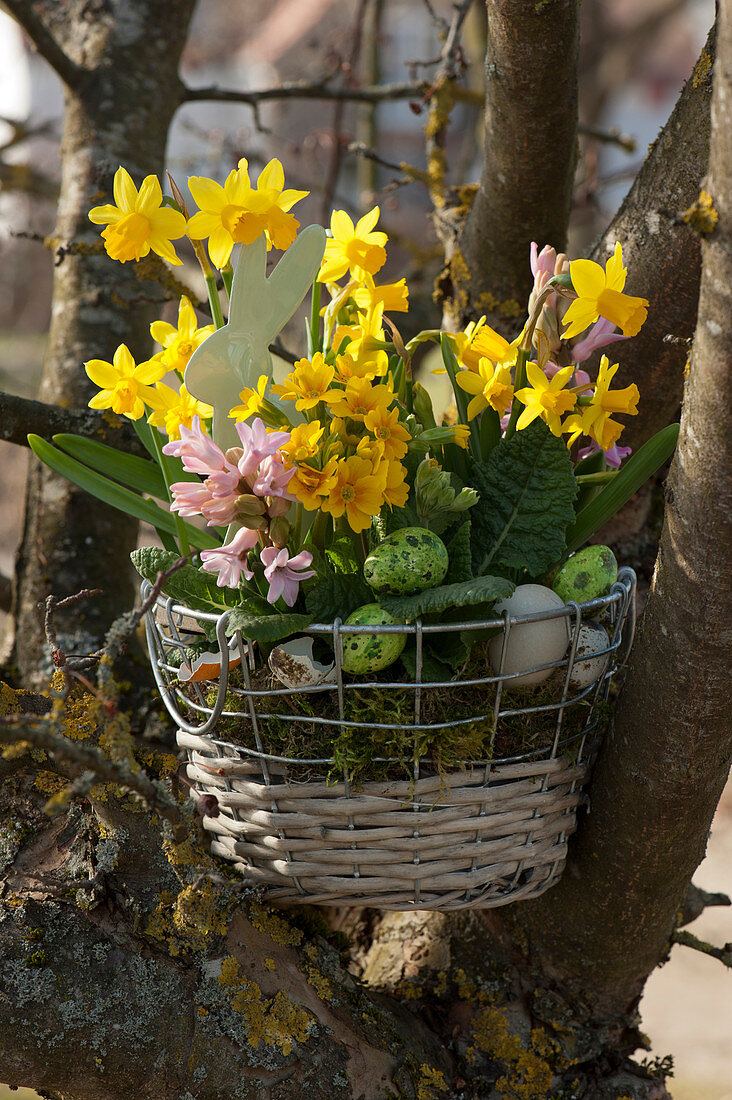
{"points": [[613, 136], [87, 758], [297, 89], [44, 42], [52, 605], [696, 901], [686, 939]]}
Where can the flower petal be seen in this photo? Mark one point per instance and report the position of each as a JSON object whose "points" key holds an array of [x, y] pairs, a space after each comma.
{"points": [[101, 400], [170, 223], [104, 215], [220, 245], [123, 362], [367, 222], [272, 176], [207, 194], [163, 247], [588, 278], [150, 196], [341, 225], [125, 192], [161, 332], [102, 374]]}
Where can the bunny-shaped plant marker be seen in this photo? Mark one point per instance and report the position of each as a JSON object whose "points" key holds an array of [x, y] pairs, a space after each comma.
{"points": [[237, 355]]}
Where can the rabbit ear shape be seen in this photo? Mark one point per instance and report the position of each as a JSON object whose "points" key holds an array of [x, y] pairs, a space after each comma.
{"points": [[265, 305]]}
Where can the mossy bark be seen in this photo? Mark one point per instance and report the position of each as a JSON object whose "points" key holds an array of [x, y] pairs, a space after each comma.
{"points": [[119, 102]]}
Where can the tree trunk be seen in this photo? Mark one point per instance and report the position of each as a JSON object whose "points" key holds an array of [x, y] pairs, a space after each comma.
{"points": [[119, 102]]}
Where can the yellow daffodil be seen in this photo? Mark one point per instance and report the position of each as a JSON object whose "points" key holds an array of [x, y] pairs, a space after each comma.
{"points": [[310, 485], [545, 398], [179, 343], [359, 398], [358, 491], [396, 491], [392, 297], [599, 294], [303, 442], [126, 386], [490, 385], [363, 338], [596, 418], [138, 222], [237, 213], [461, 435], [352, 248], [383, 423], [177, 407], [478, 341], [308, 383], [252, 401]]}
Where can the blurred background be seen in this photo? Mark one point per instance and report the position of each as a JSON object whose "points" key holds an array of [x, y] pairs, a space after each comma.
{"points": [[635, 57]]}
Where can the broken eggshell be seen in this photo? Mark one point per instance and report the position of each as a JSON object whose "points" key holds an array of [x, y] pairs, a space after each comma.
{"points": [[294, 665], [207, 666]]}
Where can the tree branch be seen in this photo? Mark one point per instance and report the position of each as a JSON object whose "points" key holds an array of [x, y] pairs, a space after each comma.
{"points": [[696, 901], [45, 44], [663, 255], [525, 190], [303, 89], [686, 939], [20, 416]]}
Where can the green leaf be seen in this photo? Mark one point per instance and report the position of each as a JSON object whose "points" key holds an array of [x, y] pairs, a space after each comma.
{"points": [[115, 495], [432, 667], [342, 555], [265, 629], [526, 487], [461, 397], [336, 595], [628, 480], [459, 553], [195, 588], [137, 473], [435, 600]]}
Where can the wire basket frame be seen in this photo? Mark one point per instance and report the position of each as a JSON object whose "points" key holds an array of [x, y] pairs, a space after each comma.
{"points": [[490, 832]]}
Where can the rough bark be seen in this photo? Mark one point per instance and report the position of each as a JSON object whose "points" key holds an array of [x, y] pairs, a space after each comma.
{"points": [[122, 89], [525, 190], [662, 253], [20, 416]]}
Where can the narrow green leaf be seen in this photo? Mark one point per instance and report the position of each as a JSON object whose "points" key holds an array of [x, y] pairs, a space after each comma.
{"points": [[436, 600], [115, 495], [266, 629], [136, 473], [629, 479], [526, 488], [461, 398]]}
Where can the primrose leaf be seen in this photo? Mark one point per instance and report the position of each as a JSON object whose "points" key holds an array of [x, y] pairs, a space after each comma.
{"points": [[336, 595], [446, 596], [459, 553], [265, 629], [195, 588], [527, 488]]}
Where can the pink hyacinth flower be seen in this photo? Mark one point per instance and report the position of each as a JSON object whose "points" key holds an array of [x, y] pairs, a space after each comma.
{"points": [[257, 444], [542, 261], [285, 573], [600, 335], [613, 457], [189, 497], [273, 479], [230, 561], [198, 453]]}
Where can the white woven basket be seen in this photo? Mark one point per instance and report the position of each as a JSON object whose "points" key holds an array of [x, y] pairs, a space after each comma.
{"points": [[485, 834]]}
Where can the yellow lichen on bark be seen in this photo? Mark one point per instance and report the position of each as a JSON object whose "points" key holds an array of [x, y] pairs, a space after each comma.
{"points": [[528, 1075], [273, 1021], [701, 215]]}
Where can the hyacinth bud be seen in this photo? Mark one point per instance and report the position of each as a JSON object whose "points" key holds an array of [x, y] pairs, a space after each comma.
{"points": [[278, 506], [233, 455], [248, 502], [279, 532], [253, 522], [549, 326]]}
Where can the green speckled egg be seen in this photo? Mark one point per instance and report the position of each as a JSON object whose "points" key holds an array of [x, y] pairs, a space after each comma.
{"points": [[587, 575], [406, 562], [371, 652]]}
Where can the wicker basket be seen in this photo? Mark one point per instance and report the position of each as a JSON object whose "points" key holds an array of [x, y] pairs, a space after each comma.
{"points": [[486, 834]]}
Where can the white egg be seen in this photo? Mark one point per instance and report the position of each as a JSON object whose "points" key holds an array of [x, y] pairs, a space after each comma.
{"points": [[530, 644], [592, 639]]}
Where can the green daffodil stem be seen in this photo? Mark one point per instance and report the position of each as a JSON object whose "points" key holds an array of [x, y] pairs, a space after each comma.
{"points": [[520, 381], [214, 300], [227, 274], [314, 323], [165, 470]]}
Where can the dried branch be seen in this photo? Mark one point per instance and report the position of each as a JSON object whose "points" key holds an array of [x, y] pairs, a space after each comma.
{"points": [[303, 89], [87, 758], [51, 606], [686, 939], [20, 416], [696, 901], [613, 136], [44, 42]]}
